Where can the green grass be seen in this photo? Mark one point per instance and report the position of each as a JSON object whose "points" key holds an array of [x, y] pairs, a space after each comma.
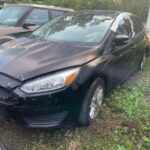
{"points": [[124, 124]]}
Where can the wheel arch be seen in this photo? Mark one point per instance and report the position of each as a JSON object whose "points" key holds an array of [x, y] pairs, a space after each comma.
{"points": [[105, 78], [106, 82]]}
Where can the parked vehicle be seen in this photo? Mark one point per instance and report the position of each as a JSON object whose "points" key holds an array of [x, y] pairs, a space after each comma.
{"points": [[17, 20], [1, 4], [61, 73], [147, 35]]}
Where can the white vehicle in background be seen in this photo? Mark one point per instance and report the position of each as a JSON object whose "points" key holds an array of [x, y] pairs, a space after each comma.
{"points": [[148, 22], [147, 37]]}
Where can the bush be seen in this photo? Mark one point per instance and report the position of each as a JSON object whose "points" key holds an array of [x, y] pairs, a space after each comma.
{"points": [[138, 7]]}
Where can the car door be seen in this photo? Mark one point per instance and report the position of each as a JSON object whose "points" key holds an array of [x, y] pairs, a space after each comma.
{"points": [[37, 17], [138, 39], [120, 63]]}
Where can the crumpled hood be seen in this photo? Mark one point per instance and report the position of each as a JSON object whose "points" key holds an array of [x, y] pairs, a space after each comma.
{"points": [[26, 58]]}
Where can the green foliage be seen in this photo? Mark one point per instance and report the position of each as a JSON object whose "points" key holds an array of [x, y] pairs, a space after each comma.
{"points": [[129, 99], [139, 7]]}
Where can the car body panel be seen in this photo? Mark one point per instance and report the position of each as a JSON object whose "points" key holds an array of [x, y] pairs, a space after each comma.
{"points": [[42, 57]]}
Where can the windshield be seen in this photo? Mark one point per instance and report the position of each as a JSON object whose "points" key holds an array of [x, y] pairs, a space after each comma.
{"points": [[85, 28], [11, 15]]}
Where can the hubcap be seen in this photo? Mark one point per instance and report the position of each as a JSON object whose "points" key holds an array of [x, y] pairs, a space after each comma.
{"points": [[143, 61], [96, 102]]}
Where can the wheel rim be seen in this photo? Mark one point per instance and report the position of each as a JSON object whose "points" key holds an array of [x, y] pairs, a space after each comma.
{"points": [[143, 61], [96, 102]]}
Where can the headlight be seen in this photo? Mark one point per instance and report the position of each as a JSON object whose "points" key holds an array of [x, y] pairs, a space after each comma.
{"points": [[51, 82]]}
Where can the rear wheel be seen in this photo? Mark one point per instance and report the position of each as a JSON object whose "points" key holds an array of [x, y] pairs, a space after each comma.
{"points": [[92, 102]]}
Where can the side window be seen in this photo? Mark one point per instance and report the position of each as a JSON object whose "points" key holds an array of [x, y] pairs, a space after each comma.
{"points": [[55, 13], [38, 16], [124, 28], [137, 25]]}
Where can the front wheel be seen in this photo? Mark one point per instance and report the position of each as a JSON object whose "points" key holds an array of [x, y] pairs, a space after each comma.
{"points": [[92, 102]]}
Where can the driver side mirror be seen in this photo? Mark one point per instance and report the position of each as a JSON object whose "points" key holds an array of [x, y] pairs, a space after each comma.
{"points": [[28, 24], [121, 40]]}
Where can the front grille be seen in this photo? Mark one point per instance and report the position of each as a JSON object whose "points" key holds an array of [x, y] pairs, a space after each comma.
{"points": [[7, 98], [47, 121]]}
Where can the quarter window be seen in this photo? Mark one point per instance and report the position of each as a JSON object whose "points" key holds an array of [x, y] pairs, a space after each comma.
{"points": [[38, 16]]}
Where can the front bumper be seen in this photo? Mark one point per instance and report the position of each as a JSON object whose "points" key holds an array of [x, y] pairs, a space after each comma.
{"points": [[45, 110]]}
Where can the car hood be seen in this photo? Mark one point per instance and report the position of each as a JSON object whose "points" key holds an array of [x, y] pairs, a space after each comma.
{"points": [[26, 58]]}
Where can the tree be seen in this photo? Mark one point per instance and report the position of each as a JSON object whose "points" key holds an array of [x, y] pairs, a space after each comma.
{"points": [[139, 7]]}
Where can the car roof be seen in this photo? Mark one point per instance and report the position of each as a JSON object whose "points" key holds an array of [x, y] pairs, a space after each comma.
{"points": [[40, 6], [99, 12], [113, 14], [116, 15]]}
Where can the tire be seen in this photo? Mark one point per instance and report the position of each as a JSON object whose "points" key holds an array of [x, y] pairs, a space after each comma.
{"points": [[143, 61], [87, 115]]}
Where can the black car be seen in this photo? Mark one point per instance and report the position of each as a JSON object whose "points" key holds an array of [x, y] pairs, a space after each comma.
{"points": [[61, 72], [17, 20]]}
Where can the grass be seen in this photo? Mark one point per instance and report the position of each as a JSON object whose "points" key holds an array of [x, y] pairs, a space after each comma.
{"points": [[124, 124]]}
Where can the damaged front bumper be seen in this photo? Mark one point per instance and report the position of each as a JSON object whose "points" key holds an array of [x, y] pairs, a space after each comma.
{"points": [[44, 110]]}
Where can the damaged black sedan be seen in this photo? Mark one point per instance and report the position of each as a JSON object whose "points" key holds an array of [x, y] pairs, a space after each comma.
{"points": [[61, 72]]}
